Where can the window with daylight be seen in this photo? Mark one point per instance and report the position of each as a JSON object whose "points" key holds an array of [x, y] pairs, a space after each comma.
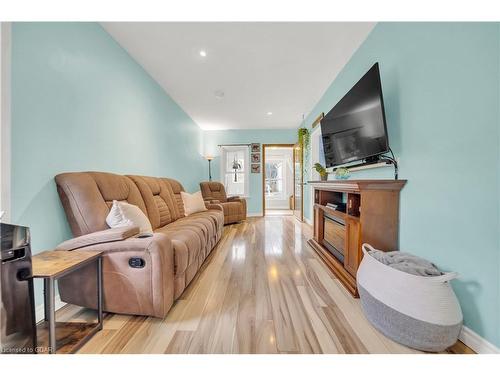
{"points": [[274, 179], [235, 170]]}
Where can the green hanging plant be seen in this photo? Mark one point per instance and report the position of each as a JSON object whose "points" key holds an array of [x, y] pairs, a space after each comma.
{"points": [[304, 137]]}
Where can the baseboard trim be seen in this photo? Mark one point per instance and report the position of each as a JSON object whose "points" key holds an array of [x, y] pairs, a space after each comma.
{"points": [[477, 343], [255, 214], [39, 310], [308, 221]]}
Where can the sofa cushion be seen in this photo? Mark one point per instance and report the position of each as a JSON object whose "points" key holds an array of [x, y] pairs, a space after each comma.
{"points": [[210, 222], [193, 237], [189, 241], [187, 246], [202, 228], [215, 217]]}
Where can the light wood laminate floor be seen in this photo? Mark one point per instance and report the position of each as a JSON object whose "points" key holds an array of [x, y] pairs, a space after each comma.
{"points": [[262, 290]]}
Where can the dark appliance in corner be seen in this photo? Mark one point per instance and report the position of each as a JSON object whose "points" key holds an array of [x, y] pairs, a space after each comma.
{"points": [[17, 305]]}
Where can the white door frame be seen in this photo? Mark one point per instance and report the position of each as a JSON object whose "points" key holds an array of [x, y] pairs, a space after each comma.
{"points": [[287, 176], [263, 168], [5, 119]]}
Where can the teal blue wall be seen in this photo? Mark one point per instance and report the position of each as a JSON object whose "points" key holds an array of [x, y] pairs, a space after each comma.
{"points": [[441, 92], [215, 137], [80, 102]]}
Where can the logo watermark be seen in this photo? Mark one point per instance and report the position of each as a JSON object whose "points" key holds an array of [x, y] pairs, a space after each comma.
{"points": [[25, 350]]}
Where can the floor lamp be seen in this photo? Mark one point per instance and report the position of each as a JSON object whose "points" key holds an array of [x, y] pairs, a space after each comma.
{"points": [[209, 158]]}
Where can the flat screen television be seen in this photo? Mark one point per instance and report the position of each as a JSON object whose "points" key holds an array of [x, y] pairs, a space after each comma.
{"points": [[355, 129]]}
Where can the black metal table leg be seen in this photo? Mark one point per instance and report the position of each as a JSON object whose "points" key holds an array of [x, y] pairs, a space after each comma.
{"points": [[46, 300], [52, 316]]}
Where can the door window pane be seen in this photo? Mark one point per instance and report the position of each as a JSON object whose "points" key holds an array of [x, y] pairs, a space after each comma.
{"points": [[274, 179]]}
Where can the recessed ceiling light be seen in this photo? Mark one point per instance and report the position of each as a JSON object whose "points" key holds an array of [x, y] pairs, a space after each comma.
{"points": [[203, 53], [269, 113], [219, 94]]}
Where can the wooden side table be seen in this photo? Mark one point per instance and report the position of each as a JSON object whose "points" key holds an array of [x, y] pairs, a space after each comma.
{"points": [[50, 266]]}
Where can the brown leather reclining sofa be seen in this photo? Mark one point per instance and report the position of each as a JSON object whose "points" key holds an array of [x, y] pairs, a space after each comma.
{"points": [[169, 259], [235, 208]]}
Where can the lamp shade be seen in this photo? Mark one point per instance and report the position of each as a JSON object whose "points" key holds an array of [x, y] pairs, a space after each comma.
{"points": [[209, 157]]}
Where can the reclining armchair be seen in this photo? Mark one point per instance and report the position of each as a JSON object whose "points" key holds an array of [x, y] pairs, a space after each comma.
{"points": [[235, 208]]}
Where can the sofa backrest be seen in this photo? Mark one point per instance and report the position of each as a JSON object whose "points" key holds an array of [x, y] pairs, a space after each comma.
{"points": [[88, 196], [160, 201], [176, 189], [213, 190]]}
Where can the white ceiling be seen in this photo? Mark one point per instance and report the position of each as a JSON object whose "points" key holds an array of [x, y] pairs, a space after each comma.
{"points": [[283, 68]]}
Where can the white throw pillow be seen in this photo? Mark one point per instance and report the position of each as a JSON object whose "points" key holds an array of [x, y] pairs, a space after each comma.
{"points": [[123, 214], [193, 202]]}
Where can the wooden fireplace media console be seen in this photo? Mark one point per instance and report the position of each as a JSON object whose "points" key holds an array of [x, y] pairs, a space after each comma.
{"points": [[367, 212]]}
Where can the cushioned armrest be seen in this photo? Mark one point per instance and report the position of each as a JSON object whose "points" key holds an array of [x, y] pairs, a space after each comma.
{"points": [[214, 206], [211, 200], [104, 236], [150, 287], [243, 204]]}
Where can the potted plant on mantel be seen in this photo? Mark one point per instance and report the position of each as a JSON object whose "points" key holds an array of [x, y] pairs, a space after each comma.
{"points": [[323, 174]]}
